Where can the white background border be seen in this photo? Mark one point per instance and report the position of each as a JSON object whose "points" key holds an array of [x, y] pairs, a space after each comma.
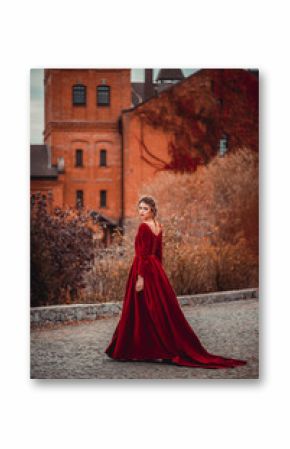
{"points": [[129, 414]]}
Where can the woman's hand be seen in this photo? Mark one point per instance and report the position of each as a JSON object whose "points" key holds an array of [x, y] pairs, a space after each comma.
{"points": [[139, 284]]}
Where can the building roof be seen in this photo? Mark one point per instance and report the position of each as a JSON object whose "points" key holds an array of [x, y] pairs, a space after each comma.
{"points": [[170, 74], [138, 88], [103, 219], [159, 88], [40, 163]]}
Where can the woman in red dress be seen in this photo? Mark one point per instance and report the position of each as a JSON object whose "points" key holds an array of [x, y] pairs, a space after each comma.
{"points": [[152, 326]]}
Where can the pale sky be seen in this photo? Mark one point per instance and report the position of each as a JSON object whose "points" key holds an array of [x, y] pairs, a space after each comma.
{"points": [[37, 99]]}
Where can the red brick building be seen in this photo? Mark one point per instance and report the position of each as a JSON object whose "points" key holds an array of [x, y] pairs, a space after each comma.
{"points": [[102, 137]]}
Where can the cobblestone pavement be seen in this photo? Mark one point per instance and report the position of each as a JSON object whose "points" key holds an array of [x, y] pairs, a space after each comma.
{"points": [[77, 351]]}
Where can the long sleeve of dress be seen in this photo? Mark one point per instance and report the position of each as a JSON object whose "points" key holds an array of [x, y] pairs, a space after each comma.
{"points": [[142, 249]]}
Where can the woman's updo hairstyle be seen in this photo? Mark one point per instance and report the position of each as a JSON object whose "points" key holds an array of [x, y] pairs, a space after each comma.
{"points": [[149, 200]]}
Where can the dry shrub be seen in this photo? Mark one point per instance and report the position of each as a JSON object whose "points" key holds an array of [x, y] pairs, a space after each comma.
{"points": [[107, 280], [237, 266], [191, 269], [234, 196], [211, 223], [61, 247]]}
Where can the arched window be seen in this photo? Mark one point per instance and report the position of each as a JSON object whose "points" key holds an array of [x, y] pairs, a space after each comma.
{"points": [[103, 95], [79, 93], [79, 158], [103, 158]]}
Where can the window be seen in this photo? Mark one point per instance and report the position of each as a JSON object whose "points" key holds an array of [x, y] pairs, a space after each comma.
{"points": [[60, 164], [79, 158], [103, 158], [103, 96], [103, 198], [223, 145], [79, 198], [79, 94]]}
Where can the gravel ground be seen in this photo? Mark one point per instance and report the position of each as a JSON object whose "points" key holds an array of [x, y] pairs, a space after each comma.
{"points": [[76, 351]]}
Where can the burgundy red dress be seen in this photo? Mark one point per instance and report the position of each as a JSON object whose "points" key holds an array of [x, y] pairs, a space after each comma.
{"points": [[152, 325]]}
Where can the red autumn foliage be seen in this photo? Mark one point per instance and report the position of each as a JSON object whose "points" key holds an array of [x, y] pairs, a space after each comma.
{"points": [[62, 250], [207, 106]]}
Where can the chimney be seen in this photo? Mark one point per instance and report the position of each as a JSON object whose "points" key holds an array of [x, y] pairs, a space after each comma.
{"points": [[148, 86]]}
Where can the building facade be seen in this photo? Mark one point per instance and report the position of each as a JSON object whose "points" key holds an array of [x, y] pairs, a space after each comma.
{"points": [[82, 112], [106, 137]]}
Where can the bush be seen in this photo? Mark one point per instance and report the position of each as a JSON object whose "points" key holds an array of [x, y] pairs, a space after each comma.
{"points": [[107, 279], [211, 239], [61, 252]]}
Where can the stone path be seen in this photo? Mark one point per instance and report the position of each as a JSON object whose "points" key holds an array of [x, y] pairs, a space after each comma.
{"points": [[76, 351]]}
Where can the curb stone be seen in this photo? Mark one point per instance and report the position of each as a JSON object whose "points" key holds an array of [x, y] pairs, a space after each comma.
{"points": [[40, 316]]}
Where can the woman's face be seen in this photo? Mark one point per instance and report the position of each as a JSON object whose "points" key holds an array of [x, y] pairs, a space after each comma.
{"points": [[145, 212]]}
